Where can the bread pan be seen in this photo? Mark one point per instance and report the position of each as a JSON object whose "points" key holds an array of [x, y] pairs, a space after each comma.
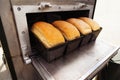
{"points": [[72, 45], [51, 53], [86, 39], [95, 34]]}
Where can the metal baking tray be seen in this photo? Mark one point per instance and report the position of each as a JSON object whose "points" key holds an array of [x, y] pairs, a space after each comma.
{"points": [[86, 39], [72, 45], [50, 54], [95, 34]]}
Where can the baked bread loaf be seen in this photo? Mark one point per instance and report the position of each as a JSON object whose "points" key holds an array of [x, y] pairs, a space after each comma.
{"points": [[69, 31], [83, 27], [94, 25], [47, 34]]}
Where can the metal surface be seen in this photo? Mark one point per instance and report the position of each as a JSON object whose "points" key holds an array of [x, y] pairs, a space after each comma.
{"points": [[22, 26], [81, 64], [33, 2], [43, 71]]}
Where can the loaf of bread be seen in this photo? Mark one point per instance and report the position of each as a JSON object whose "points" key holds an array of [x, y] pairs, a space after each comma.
{"points": [[47, 34], [83, 27], [94, 25], [69, 31]]}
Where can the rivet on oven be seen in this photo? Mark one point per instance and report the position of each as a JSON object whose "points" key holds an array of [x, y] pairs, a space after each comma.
{"points": [[23, 32], [18, 8], [59, 7], [26, 55], [39, 8], [73, 7]]}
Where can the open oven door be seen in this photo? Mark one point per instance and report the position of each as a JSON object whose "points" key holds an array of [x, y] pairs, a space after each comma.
{"points": [[82, 64]]}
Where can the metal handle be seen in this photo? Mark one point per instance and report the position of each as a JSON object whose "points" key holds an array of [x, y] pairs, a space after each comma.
{"points": [[82, 5], [44, 5]]}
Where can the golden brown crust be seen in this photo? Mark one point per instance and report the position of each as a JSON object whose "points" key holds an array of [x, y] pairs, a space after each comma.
{"points": [[47, 34], [69, 31], [94, 25], [80, 25]]}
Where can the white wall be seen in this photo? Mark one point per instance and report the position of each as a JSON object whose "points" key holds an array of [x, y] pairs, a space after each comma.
{"points": [[107, 14]]}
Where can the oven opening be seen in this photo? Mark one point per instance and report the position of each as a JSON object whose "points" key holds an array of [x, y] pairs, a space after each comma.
{"points": [[50, 17]]}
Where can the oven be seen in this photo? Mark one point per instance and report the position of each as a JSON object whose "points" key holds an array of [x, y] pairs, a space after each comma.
{"points": [[19, 44], [27, 15]]}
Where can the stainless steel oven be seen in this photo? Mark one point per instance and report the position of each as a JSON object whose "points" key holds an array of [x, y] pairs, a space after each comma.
{"points": [[17, 17]]}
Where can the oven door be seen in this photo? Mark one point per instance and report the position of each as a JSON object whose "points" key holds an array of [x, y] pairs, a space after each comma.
{"points": [[82, 64]]}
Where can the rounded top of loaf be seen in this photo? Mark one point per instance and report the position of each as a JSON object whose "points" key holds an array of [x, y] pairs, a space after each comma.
{"points": [[93, 24], [83, 27], [47, 34], [69, 31]]}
